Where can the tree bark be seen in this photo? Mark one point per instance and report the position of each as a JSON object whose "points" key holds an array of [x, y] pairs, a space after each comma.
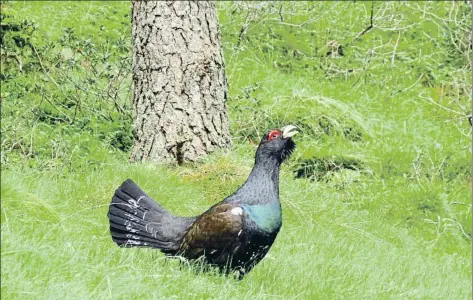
{"points": [[180, 89]]}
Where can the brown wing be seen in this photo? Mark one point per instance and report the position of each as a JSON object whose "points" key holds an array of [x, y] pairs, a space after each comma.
{"points": [[216, 230]]}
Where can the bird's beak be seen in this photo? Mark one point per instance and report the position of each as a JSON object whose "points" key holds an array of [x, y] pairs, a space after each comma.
{"points": [[288, 131]]}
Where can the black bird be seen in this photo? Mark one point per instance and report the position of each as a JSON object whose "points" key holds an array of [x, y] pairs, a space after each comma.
{"points": [[234, 234]]}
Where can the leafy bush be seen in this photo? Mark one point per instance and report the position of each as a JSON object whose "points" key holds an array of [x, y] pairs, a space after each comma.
{"points": [[69, 88]]}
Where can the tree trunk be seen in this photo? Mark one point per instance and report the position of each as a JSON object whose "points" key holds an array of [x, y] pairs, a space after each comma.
{"points": [[180, 89]]}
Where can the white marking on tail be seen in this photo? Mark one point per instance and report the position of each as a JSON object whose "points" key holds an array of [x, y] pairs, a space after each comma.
{"points": [[139, 199], [131, 218], [131, 236], [130, 228], [127, 205], [133, 242], [134, 202]]}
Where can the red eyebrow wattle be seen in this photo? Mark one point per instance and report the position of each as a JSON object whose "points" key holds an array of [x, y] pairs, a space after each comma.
{"points": [[272, 134]]}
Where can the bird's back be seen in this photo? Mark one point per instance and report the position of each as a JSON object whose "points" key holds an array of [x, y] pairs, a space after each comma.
{"points": [[232, 235]]}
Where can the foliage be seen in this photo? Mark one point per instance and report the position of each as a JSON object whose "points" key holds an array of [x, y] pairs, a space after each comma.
{"points": [[376, 199], [65, 95]]}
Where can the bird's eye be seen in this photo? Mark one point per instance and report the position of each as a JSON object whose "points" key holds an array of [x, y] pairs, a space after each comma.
{"points": [[273, 134]]}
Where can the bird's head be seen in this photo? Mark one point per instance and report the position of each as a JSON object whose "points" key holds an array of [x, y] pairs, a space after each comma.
{"points": [[277, 144]]}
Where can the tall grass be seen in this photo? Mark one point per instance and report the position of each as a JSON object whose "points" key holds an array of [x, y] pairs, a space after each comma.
{"points": [[330, 245], [376, 198]]}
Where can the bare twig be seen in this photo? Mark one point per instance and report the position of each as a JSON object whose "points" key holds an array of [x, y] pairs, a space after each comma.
{"points": [[16, 58], [77, 106], [394, 51], [468, 236], [421, 96], [54, 81], [280, 14], [57, 108], [367, 28], [243, 29]]}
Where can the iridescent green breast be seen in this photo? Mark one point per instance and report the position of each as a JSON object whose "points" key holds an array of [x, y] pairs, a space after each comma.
{"points": [[267, 217]]}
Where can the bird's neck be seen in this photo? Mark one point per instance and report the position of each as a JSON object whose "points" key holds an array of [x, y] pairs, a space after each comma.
{"points": [[262, 185]]}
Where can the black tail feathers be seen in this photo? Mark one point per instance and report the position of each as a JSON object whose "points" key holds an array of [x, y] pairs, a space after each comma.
{"points": [[136, 220]]}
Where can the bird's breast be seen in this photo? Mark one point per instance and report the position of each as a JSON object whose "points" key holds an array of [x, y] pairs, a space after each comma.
{"points": [[267, 217]]}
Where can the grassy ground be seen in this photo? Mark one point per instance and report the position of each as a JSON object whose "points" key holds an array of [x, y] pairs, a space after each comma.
{"points": [[376, 199], [55, 243]]}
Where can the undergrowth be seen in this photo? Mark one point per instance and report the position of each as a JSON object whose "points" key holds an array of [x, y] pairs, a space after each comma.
{"points": [[376, 197]]}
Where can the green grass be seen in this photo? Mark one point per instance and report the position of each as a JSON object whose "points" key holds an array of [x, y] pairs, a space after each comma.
{"points": [[55, 243], [376, 199]]}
